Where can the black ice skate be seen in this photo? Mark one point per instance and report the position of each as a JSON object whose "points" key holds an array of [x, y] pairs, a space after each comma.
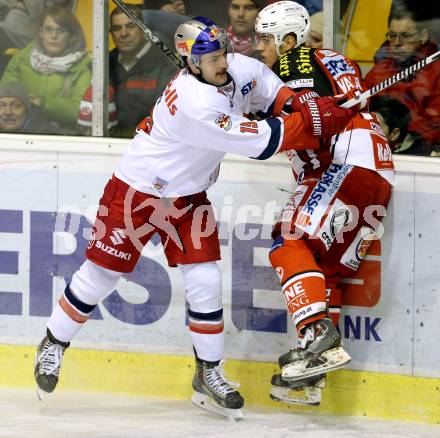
{"points": [[213, 392], [319, 352], [299, 392], [48, 361]]}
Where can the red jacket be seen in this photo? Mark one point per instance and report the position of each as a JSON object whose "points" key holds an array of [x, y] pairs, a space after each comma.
{"points": [[421, 93]]}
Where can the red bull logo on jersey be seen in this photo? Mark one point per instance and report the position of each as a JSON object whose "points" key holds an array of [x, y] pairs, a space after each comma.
{"points": [[224, 122]]}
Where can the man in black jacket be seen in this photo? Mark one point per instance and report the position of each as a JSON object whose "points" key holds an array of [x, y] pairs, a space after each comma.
{"points": [[139, 71]]}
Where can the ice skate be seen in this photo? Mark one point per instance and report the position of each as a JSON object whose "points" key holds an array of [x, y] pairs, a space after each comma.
{"points": [[299, 392], [48, 359], [214, 393], [319, 352]]}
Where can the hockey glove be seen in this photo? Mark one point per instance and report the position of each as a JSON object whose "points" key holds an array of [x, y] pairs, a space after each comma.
{"points": [[354, 94], [300, 97], [324, 117]]}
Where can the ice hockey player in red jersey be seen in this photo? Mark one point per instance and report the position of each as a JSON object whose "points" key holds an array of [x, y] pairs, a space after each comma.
{"points": [[343, 187], [160, 186]]}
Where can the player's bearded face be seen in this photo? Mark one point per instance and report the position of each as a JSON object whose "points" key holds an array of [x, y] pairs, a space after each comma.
{"points": [[214, 67]]}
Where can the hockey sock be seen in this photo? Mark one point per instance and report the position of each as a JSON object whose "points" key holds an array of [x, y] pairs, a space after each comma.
{"points": [[207, 334], [334, 294], [302, 281], [69, 315], [334, 304]]}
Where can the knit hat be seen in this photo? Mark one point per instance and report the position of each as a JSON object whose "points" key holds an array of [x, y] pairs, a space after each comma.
{"points": [[86, 107], [15, 89], [317, 22]]}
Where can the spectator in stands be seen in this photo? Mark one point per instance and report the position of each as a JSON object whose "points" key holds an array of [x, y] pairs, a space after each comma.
{"points": [[173, 6], [408, 42], [139, 71], [316, 31], [18, 115], [394, 118], [19, 18], [163, 24], [241, 29], [216, 10], [86, 110], [17, 22], [54, 69], [312, 6]]}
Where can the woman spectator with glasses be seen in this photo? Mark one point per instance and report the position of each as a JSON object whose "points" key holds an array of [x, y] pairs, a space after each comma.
{"points": [[408, 42], [54, 68]]}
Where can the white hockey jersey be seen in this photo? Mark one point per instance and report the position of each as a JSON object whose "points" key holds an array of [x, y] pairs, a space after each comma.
{"points": [[196, 124]]}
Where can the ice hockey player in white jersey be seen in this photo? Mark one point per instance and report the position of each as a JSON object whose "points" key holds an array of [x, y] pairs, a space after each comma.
{"points": [[159, 187], [328, 223]]}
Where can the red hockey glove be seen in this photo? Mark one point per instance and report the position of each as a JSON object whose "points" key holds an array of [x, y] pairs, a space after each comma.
{"points": [[145, 125], [324, 118], [300, 97]]}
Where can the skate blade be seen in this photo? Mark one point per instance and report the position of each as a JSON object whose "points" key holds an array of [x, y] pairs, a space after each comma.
{"points": [[205, 402], [334, 359], [41, 394], [309, 396]]}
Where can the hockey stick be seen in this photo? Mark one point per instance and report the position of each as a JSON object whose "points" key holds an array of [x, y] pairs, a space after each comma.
{"points": [[149, 34], [392, 80]]}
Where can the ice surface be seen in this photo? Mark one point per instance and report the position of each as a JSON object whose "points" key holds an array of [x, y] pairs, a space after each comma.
{"points": [[73, 414]]}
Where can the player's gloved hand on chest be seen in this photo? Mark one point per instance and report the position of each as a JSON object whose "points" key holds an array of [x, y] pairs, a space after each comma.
{"points": [[300, 97], [324, 117]]}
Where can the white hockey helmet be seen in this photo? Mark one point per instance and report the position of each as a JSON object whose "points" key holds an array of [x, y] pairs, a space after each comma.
{"points": [[282, 18], [199, 36]]}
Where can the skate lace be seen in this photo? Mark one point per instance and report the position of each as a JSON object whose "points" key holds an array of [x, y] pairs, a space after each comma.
{"points": [[215, 377], [50, 358]]}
